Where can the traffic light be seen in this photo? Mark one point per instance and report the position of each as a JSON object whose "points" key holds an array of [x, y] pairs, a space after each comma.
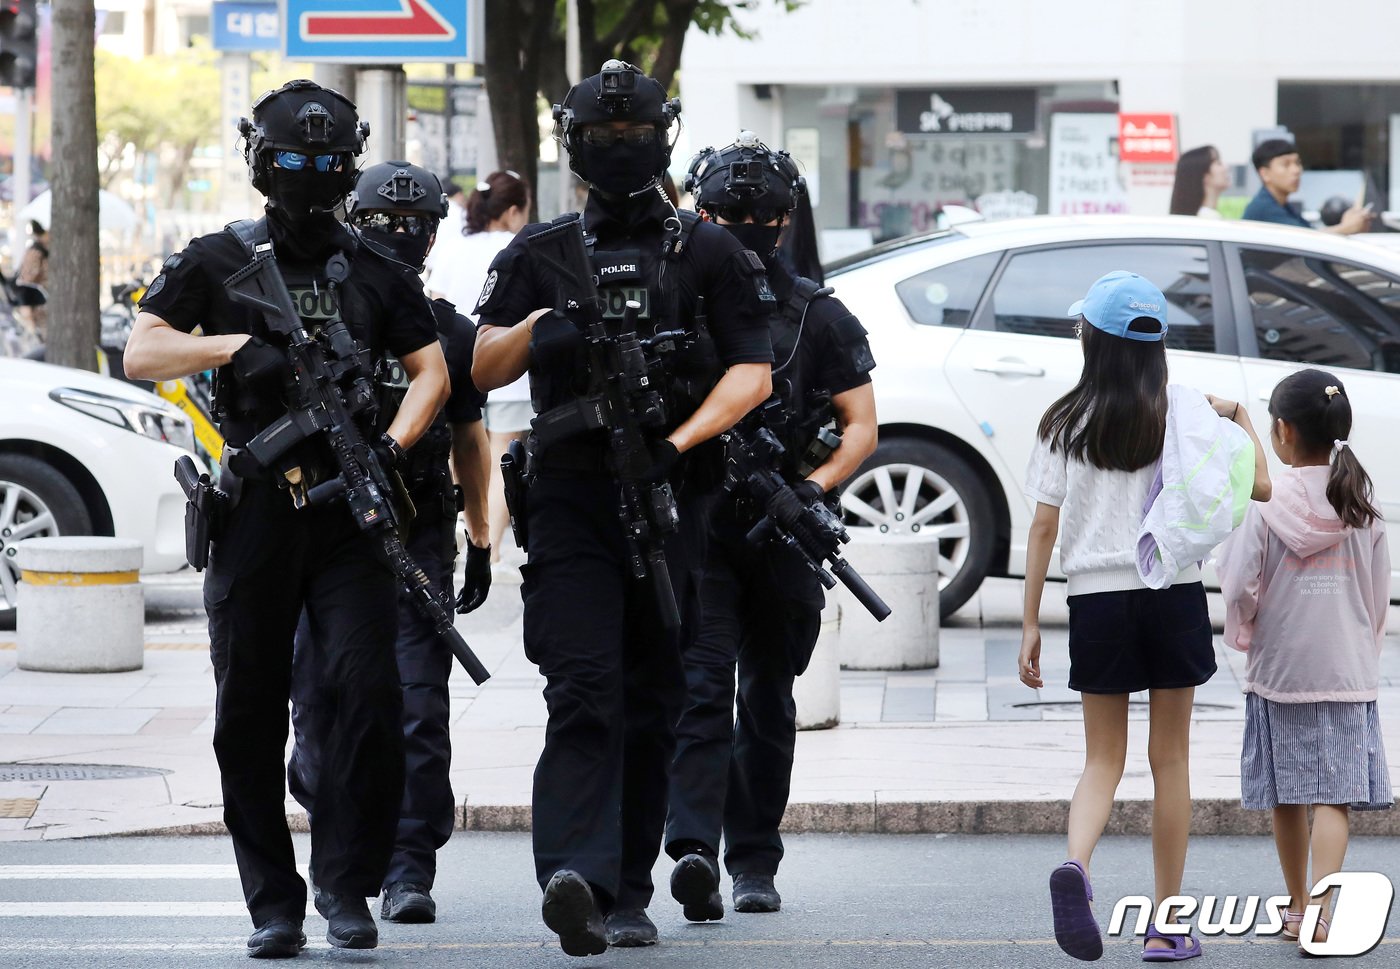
{"points": [[19, 39]]}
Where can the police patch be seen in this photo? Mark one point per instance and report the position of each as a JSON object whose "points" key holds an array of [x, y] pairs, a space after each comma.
{"points": [[765, 291], [487, 290], [156, 286]]}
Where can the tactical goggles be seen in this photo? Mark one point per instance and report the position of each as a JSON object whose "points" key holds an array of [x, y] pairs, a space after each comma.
{"points": [[601, 136], [413, 225], [295, 161], [762, 215]]}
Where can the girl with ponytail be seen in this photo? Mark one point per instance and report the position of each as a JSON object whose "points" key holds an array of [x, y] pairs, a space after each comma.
{"points": [[1307, 585]]}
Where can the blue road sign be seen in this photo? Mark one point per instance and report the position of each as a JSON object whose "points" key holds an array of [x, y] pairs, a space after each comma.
{"points": [[243, 25], [381, 31]]}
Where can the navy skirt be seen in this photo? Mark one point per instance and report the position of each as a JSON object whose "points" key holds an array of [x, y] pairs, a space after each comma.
{"points": [[1313, 753]]}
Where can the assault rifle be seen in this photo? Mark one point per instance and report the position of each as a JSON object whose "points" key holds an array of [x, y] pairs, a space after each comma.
{"points": [[817, 536], [327, 389], [624, 401]]}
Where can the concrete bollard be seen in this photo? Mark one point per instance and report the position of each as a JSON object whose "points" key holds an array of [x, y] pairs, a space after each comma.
{"points": [[80, 608], [818, 690], [905, 574]]}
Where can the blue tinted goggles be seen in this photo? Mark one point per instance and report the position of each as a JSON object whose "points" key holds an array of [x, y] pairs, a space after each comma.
{"points": [[295, 161]]}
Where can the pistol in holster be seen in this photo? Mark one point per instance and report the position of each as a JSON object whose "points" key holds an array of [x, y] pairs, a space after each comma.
{"points": [[206, 508], [517, 485]]}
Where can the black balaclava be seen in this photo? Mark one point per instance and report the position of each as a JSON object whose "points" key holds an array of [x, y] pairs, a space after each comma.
{"points": [[623, 169], [762, 239], [401, 247]]}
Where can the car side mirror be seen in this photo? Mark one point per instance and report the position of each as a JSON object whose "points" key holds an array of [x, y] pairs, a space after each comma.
{"points": [[28, 294]]}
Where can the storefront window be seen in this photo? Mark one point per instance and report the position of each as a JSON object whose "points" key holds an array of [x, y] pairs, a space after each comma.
{"points": [[889, 161]]}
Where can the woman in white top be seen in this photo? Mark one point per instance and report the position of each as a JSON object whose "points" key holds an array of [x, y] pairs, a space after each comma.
{"points": [[1200, 178], [496, 210]]}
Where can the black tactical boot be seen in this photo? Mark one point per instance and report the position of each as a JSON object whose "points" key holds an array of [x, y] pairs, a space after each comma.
{"points": [[277, 938], [755, 893], [350, 926], [571, 912], [695, 884], [629, 928], [408, 903]]}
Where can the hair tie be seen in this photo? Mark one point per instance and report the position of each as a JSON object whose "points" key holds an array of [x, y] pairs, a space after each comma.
{"points": [[1338, 445], [1332, 391], [484, 188]]}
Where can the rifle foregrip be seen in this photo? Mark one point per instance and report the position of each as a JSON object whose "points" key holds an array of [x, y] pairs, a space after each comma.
{"points": [[865, 595]]}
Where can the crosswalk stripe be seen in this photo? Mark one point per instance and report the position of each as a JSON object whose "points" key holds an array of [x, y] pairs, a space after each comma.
{"points": [[27, 910], [96, 872]]}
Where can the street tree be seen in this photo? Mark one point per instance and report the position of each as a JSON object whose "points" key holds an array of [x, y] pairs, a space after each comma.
{"points": [[525, 55], [73, 262]]}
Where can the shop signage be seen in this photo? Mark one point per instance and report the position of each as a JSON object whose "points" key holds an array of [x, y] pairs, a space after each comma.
{"points": [[1084, 177], [1148, 139], [966, 111]]}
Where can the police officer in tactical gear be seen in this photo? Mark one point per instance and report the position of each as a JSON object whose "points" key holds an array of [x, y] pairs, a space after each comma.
{"points": [[761, 605], [278, 553], [614, 683], [396, 208]]}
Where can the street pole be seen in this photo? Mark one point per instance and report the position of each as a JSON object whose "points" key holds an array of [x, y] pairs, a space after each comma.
{"points": [[572, 69], [449, 109], [24, 149], [383, 97]]}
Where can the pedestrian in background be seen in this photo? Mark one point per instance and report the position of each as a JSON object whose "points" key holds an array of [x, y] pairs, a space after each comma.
{"points": [[1280, 168], [495, 211], [1307, 587], [1200, 178], [1099, 450], [34, 270]]}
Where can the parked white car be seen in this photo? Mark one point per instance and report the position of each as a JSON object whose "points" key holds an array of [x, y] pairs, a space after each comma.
{"points": [[87, 455], [969, 332]]}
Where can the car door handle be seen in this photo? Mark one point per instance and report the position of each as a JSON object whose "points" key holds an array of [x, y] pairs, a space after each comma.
{"points": [[1010, 368]]}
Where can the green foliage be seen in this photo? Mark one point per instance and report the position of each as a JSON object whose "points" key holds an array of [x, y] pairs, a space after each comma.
{"points": [[153, 103]]}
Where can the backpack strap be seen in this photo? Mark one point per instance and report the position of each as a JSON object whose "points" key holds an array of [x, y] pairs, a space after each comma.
{"points": [[251, 232], [677, 241], [804, 291]]}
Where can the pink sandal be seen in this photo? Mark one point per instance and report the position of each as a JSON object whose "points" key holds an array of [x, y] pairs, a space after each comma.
{"points": [[1326, 929], [1294, 919]]}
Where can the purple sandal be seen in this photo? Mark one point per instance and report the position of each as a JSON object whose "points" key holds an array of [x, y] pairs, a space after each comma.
{"points": [[1075, 928], [1183, 947]]}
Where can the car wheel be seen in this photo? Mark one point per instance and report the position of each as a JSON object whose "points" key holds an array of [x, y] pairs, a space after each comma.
{"points": [[919, 491], [36, 501]]}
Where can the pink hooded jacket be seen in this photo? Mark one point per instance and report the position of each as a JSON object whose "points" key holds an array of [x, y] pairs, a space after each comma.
{"points": [[1306, 596]]}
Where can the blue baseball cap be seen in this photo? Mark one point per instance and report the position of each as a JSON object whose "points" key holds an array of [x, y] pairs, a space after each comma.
{"points": [[1120, 297]]}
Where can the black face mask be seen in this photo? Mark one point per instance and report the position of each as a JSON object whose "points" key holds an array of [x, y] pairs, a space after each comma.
{"points": [[399, 246], [762, 239], [310, 238], [622, 169], [305, 194]]}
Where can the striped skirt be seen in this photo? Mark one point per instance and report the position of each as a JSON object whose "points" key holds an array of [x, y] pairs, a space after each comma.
{"points": [[1313, 753]]}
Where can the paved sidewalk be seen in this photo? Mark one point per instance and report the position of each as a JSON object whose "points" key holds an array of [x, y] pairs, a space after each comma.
{"points": [[964, 747]]}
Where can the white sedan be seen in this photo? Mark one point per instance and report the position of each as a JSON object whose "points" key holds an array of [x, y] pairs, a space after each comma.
{"points": [[86, 455], [969, 331]]}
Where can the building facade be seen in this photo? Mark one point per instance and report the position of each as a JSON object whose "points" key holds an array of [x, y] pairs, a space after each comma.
{"points": [[897, 109]]}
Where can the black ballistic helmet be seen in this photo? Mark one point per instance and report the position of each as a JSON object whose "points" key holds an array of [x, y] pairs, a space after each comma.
{"points": [[400, 186], [305, 117], [747, 174], [619, 92]]}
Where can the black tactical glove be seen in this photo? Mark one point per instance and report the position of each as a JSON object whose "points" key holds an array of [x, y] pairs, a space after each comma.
{"points": [[477, 581], [257, 363], [786, 508], [808, 491], [389, 451], [663, 458]]}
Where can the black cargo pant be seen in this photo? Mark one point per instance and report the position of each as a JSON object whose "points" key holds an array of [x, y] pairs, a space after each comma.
{"points": [[614, 687], [272, 562], [427, 812], [761, 611]]}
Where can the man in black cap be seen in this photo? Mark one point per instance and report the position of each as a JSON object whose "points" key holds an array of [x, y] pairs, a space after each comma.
{"points": [[594, 620], [279, 552], [762, 603], [396, 209]]}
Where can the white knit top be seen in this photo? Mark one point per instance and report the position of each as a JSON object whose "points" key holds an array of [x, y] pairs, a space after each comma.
{"points": [[1101, 515]]}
